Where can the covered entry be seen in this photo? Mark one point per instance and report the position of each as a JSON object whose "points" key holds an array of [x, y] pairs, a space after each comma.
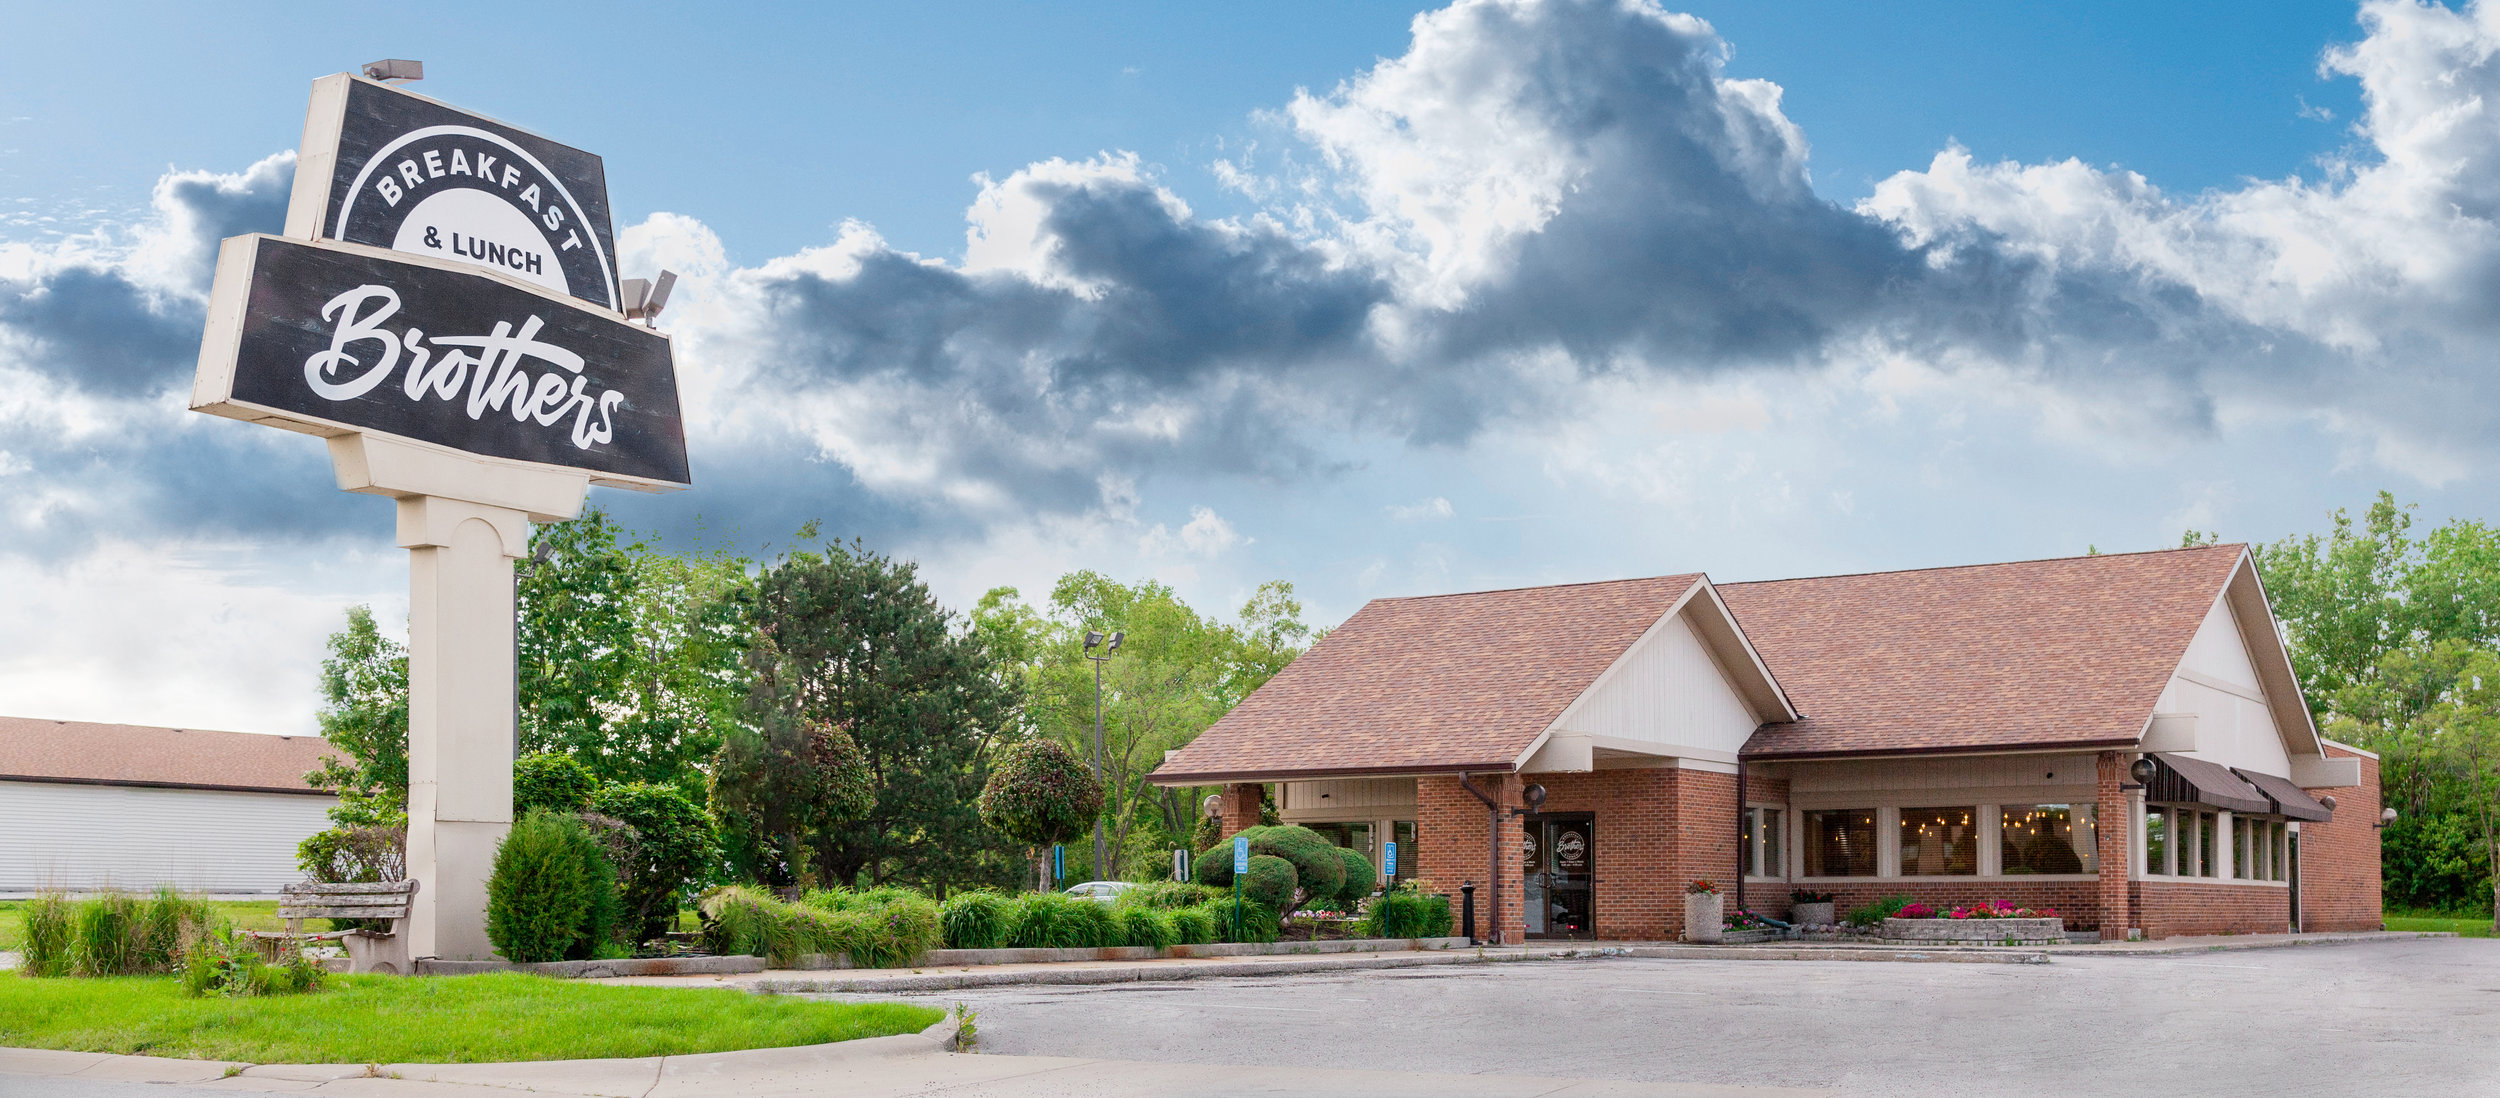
{"points": [[1560, 874]]}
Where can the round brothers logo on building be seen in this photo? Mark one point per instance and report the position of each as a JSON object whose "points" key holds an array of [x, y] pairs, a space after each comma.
{"points": [[1569, 846], [465, 194]]}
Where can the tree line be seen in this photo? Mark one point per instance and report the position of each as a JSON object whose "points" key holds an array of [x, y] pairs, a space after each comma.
{"points": [[817, 718]]}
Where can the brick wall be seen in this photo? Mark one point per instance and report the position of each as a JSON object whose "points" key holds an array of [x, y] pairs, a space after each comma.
{"points": [[1656, 829], [2165, 908], [1241, 806], [1450, 834], [2113, 900], [2339, 859]]}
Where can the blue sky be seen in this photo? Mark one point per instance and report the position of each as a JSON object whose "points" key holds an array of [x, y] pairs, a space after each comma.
{"points": [[1514, 292]]}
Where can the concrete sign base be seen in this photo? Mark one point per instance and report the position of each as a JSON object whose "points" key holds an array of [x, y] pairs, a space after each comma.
{"points": [[463, 523]]}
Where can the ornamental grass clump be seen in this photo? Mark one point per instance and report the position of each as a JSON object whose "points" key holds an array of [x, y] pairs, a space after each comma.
{"points": [[1193, 926], [879, 927], [1145, 926], [1405, 913], [979, 919], [50, 948], [1172, 895], [1054, 920]]}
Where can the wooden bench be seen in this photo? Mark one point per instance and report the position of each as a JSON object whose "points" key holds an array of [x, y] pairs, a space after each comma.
{"points": [[383, 951]]}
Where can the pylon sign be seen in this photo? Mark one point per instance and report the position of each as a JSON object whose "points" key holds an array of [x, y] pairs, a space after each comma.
{"points": [[445, 279], [384, 166]]}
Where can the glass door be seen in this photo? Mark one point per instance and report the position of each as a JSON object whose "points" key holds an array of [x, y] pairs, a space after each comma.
{"points": [[1561, 872]]}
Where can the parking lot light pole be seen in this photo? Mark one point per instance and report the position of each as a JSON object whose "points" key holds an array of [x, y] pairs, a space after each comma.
{"points": [[1094, 639]]}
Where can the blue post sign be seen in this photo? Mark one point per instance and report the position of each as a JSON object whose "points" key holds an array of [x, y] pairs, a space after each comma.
{"points": [[1389, 859], [1058, 862], [1241, 867]]}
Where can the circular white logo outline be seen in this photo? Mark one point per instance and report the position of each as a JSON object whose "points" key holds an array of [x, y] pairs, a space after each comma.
{"points": [[347, 209]]}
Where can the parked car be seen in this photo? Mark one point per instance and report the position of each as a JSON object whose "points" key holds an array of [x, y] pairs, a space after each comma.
{"points": [[1101, 891]]}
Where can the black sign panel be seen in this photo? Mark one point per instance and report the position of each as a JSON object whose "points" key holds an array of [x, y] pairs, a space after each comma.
{"points": [[356, 338], [414, 175]]}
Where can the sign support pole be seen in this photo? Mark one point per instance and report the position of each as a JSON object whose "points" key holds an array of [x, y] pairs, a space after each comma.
{"points": [[464, 523]]}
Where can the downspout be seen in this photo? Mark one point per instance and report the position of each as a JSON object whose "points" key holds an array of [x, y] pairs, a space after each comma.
{"points": [[1743, 839], [1493, 817]]}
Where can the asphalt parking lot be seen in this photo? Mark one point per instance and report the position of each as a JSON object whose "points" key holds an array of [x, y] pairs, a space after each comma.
{"points": [[2395, 1018]]}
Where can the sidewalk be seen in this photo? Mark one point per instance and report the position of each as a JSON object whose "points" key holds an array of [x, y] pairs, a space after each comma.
{"points": [[874, 1068]]}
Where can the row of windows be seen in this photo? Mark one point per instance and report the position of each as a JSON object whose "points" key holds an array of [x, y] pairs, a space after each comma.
{"points": [[1934, 842], [2186, 842]]}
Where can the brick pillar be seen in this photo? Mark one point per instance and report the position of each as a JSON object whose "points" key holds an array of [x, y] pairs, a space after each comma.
{"points": [[2116, 826], [1241, 806]]}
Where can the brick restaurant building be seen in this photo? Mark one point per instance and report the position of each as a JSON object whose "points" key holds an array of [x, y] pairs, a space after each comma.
{"points": [[2119, 737]]}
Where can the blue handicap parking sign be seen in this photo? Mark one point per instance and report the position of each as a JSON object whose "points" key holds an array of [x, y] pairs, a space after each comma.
{"points": [[1389, 858], [1241, 854]]}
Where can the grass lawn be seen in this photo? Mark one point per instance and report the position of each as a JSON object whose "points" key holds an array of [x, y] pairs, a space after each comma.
{"points": [[430, 1020], [245, 914], [2474, 926]]}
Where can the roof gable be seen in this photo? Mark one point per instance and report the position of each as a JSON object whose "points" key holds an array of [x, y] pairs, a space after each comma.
{"points": [[1434, 684], [2064, 653]]}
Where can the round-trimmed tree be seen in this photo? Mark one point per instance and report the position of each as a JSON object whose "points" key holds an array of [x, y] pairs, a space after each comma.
{"points": [[1038, 794]]}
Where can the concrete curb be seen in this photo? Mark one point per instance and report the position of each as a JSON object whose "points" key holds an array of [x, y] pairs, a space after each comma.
{"points": [[2158, 949], [1998, 956], [597, 970], [1147, 972], [950, 958]]}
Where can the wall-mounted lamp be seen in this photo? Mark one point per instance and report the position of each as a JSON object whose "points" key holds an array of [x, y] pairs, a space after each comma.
{"points": [[2385, 817]]}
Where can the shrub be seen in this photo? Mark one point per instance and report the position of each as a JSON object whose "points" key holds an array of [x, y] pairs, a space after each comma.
{"points": [[980, 919], [1192, 926], [1054, 920], [679, 843], [1170, 895], [890, 931], [365, 854], [1272, 881], [881, 928], [224, 963], [50, 927], [1319, 874], [1360, 877], [552, 782], [167, 924], [552, 893], [1875, 913], [1039, 794], [743, 921], [1403, 913], [1259, 922], [1145, 926]]}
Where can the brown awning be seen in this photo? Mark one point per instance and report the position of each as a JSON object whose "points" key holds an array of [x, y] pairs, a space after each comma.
{"points": [[2289, 800], [2178, 779]]}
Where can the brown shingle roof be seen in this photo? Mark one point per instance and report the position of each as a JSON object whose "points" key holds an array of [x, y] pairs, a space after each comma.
{"points": [[2072, 652], [129, 754], [1440, 683]]}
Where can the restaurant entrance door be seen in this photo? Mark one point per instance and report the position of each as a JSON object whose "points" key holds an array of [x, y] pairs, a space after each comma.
{"points": [[1561, 872]]}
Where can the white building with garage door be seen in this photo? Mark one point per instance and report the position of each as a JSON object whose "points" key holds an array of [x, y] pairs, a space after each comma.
{"points": [[86, 806]]}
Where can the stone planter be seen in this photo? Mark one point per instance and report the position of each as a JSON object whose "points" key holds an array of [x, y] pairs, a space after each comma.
{"points": [[1977, 931], [1705, 917], [1812, 914], [1750, 937]]}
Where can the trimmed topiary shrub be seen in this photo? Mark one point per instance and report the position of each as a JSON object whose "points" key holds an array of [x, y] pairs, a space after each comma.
{"points": [[553, 782], [1404, 913], [552, 894], [980, 919], [1145, 926], [1360, 876], [1038, 794], [1271, 881], [1319, 874]]}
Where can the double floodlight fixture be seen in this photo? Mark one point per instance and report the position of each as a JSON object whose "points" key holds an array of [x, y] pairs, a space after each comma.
{"points": [[394, 70], [643, 298], [1095, 639]]}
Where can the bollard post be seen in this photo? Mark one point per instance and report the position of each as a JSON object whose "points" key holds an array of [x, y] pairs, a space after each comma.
{"points": [[1467, 910]]}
